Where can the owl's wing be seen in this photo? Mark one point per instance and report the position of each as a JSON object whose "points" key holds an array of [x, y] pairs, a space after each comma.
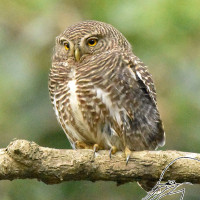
{"points": [[144, 78]]}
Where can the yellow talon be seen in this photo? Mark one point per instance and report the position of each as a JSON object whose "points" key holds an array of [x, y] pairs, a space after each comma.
{"points": [[96, 147], [82, 145], [127, 152], [113, 150]]}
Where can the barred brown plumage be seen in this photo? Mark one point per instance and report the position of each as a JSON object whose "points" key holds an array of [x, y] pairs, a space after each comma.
{"points": [[103, 95]]}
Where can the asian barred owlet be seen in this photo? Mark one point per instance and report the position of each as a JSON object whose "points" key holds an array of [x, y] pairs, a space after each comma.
{"points": [[103, 95]]}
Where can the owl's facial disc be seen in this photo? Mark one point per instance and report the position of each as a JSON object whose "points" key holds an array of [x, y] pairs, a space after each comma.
{"points": [[84, 46], [80, 47], [73, 48]]}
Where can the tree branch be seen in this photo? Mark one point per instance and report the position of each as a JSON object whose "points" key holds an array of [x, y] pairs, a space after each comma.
{"points": [[23, 159]]}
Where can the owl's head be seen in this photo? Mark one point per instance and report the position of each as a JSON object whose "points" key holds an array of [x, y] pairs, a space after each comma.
{"points": [[88, 38]]}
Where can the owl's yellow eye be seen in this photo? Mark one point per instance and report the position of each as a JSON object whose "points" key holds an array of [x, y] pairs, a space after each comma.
{"points": [[67, 46], [92, 42]]}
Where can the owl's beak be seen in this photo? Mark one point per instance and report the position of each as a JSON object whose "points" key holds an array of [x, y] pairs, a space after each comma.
{"points": [[77, 54]]}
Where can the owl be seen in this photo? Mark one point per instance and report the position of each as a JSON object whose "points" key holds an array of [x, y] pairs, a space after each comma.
{"points": [[102, 94]]}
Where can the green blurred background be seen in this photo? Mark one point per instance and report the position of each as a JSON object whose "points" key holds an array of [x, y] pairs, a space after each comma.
{"points": [[164, 34]]}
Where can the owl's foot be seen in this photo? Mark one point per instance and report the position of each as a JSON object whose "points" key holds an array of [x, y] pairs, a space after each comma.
{"points": [[127, 152], [96, 148], [82, 145], [113, 150]]}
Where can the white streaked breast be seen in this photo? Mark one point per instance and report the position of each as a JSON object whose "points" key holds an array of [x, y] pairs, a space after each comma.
{"points": [[76, 112], [113, 109]]}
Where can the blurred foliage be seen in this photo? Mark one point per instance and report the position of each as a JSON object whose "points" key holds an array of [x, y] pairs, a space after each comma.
{"points": [[164, 34]]}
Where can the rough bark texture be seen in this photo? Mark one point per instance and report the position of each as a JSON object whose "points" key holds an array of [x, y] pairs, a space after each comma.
{"points": [[23, 159]]}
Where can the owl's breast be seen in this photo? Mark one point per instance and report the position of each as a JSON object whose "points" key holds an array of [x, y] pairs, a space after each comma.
{"points": [[91, 104], [77, 122], [74, 104]]}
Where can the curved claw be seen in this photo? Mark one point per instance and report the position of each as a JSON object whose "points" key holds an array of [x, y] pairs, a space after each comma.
{"points": [[110, 152], [127, 152], [127, 159], [95, 148], [113, 150]]}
